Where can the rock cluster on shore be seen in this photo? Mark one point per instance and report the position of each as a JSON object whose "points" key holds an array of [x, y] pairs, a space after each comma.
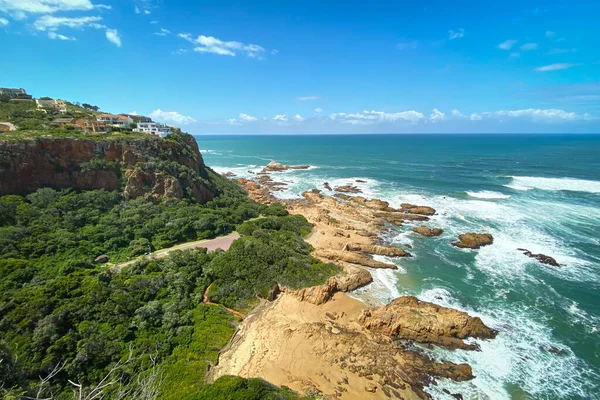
{"points": [[275, 166]]}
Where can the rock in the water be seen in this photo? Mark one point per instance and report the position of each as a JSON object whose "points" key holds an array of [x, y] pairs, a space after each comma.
{"points": [[228, 174], [275, 166], [102, 259], [413, 209], [348, 189], [360, 181], [390, 251], [544, 259], [327, 186], [411, 319], [474, 240], [425, 231]]}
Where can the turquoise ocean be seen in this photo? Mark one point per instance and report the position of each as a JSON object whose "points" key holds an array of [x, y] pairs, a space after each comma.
{"points": [[538, 192]]}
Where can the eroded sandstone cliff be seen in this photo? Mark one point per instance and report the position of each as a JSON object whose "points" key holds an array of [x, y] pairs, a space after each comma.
{"points": [[140, 166]]}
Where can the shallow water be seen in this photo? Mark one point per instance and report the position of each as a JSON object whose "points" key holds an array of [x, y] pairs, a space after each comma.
{"points": [[538, 192]]}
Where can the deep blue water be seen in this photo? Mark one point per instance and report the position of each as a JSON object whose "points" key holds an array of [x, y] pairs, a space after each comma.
{"points": [[539, 192]]}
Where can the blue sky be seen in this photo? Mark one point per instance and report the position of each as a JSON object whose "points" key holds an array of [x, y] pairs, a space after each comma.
{"points": [[315, 66]]}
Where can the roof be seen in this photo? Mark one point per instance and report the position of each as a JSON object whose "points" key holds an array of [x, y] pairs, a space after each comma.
{"points": [[107, 115]]}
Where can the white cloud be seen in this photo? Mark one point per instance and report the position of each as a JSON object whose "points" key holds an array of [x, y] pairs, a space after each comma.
{"points": [[147, 12], [113, 36], [163, 32], [3, 21], [210, 44], [21, 8], [555, 67], [516, 54], [529, 46], [51, 23], [299, 118], [318, 110], [535, 115], [137, 10], [247, 117], [154, 22], [171, 117], [305, 98], [457, 114], [456, 34], [550, 34], [409, 44], [437, 116], [507, 44], [280, 118], [54, 35], [373, 117]]}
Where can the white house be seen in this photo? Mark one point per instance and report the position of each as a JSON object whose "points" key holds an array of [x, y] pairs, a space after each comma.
{"points": [[154, 128], [120, 121], [60, 105]]}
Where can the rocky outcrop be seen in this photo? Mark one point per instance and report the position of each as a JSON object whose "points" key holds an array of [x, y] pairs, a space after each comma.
{"points": [[228, 174], [398, 218], [387, 250], [275, 166], [423, 322], [413, 209], [352, 278], [544, 259], [426, 231], [257, 192], [327, 186], [474, 240], [347, 189], [131, 164], [338, 256]]}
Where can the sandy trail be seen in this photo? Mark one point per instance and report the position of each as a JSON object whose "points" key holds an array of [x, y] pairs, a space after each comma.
{"points": [[223, 243]]}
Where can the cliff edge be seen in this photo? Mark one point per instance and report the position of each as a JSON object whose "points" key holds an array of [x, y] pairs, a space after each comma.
{"points": [[139, 166]]}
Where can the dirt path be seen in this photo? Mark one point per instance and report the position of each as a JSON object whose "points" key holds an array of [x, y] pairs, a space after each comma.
{"points": [[223, 242], [210, 303]]}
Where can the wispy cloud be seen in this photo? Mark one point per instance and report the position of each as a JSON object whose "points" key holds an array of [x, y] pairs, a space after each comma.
{"points": [[299, 118], [52, 23], [54, 35], [507, 44], [306, 98], [456, 34], [372, 117], [163, 32], [550, 34], [555, 67], [210, 44], [408, 44], [3, 21], [529, 46], [21, 8], [280, 118], [437, 116], [318, 110], [516, 54], [113, 36], [247, 117], [535, 115], [137, 10], [171, 117]]}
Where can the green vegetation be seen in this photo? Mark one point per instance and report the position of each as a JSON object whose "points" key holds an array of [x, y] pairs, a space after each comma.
{"points": [[236, 388], [146, 327]]}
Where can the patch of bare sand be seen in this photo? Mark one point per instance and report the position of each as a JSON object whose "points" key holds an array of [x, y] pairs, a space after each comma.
{"points": [[318, 349]]}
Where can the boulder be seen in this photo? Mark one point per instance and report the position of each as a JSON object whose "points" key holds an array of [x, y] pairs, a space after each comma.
{"points": [[474, 240], [342, 196], [410, 319], [228, 174], [425, 231], [352, 258], [413, 209], [101, 259], [390, 251], [544, 259], [275, 166], [327, 186], [348, 189]]}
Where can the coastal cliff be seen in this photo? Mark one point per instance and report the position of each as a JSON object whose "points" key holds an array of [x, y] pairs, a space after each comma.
{"points": [[138, 166]]}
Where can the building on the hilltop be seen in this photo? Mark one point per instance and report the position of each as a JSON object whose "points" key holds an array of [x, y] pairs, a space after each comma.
{"points": [[7, 126], [15, 94], [137, 118], [46, 102], [63, 122], [119, 121], [154, 128]]}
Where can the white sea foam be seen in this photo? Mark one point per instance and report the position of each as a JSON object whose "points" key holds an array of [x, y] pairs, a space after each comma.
{"points": [[518, 355], [554, 184], [486, 194]]}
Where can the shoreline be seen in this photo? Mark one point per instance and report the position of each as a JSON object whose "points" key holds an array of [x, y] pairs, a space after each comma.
{"points": [[347, 231]]}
